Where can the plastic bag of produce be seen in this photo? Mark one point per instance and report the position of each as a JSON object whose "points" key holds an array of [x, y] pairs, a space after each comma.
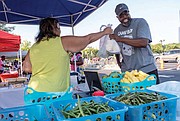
{"points": [[112, 46], [107, 46], [102, 47]]}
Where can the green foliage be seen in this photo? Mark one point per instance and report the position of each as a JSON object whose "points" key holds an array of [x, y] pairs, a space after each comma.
{"points": [[25, 45], [5, 28], [90, 53], [159, 48]]}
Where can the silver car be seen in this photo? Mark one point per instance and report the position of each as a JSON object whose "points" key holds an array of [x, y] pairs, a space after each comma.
{"points": [[172, 55]]}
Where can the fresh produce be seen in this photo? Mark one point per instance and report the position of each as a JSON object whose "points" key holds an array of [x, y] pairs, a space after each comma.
{"points": [[105, 76], [129, 77], [114, 74], [86, 108], [138, 98], [135, 76]]}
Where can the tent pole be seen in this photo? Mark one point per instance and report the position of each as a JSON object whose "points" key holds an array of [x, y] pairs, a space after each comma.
{"points": [[75, 65], [20, 61], [72, 30]]}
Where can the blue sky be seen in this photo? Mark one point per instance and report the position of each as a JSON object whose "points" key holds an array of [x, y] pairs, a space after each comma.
{"points": [[161, 15]]}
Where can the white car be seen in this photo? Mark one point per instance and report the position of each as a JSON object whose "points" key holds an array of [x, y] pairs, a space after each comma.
{"points": [[172, 55]]}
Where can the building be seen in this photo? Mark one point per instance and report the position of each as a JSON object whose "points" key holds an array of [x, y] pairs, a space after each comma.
{"points": [[179, 35], [179, 27]]}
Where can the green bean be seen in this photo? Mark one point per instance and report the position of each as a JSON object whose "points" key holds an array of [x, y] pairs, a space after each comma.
{"points": [[66, 106], [79, 115], [103, 108], [79, 105], [138, 98], [68, 114], [85, 108], [92, 110], [98, 110]]}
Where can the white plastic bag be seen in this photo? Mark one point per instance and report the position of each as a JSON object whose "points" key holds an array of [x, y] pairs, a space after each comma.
{"points": [[102, 47], [107, 46], [112, 46], [171, 87]]}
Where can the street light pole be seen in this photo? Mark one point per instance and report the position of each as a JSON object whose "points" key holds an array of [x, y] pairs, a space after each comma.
{"points": [[179, 26], [163, 47]]}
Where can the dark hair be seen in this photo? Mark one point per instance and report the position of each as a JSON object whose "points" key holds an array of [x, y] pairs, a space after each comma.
{"points": [[46, 28], [3, 56], [79, 53]]}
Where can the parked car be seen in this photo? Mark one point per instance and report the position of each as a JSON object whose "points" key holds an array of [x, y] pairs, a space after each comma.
{"points": [[172, 55]]}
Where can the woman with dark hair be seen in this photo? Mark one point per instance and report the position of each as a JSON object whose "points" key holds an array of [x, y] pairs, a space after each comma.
{"points": [[48, 58], [79, 61], [2, 64]]}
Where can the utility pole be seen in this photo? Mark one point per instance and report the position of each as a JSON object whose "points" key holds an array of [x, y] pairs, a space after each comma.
{"points": [[163, 46], [179, 26]]}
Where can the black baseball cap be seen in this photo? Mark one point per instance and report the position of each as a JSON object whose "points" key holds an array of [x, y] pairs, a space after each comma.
{"points": [[120, 8]]}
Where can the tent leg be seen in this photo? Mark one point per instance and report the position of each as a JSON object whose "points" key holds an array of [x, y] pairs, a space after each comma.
{"points": [[74, 53], [21, 72], [75, 66]]}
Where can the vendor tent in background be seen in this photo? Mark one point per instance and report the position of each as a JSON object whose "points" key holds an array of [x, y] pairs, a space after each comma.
{"points": [[68, 12], [14, 55], [9, 42]]}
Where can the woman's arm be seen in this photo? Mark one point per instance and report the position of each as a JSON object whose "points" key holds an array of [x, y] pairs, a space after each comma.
{"points": [[27, 67], [78, 43]]}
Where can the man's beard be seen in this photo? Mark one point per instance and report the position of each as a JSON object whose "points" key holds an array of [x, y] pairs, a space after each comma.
{"points": [[126, 23]]}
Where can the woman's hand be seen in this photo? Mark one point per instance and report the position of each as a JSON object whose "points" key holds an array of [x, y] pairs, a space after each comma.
{"points": [[108, 30]]}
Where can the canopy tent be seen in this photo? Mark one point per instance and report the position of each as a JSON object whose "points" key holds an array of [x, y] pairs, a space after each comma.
{"points": [[9, 42], [68, 12]]}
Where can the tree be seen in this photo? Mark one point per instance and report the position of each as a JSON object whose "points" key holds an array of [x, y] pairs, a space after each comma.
{"points": [[157, 48], [25, 45], [5, 28], [89, 52]]}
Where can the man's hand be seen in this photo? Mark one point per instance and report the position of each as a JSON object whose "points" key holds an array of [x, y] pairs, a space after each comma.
{"points": [[114, 36]]}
